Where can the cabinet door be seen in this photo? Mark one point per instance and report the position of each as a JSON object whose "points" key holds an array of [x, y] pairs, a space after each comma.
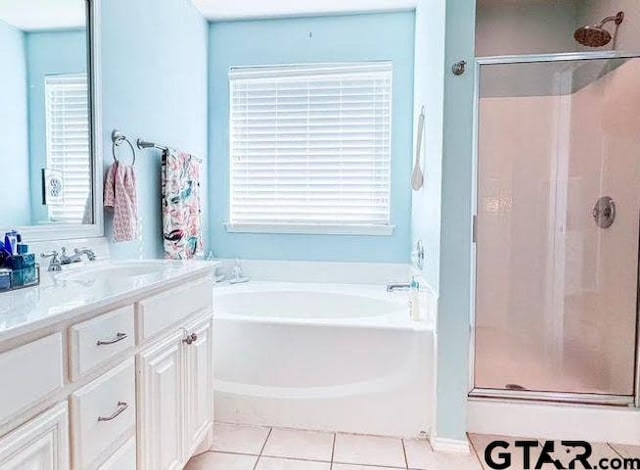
{"points": [[199, 384], [160, 405], [41, 444]]}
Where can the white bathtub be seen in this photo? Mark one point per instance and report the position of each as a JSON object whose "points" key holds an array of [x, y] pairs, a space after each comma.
{"points": [[318, 356]]}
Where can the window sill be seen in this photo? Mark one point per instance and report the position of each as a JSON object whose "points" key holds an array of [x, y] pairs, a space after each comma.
{"points": [[312, 229]]}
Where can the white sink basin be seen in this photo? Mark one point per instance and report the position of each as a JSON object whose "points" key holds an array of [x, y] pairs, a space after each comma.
{"points": [[108, 271]]}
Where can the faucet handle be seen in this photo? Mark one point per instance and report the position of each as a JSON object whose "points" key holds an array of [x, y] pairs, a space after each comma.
{"points": [[54, 264]]}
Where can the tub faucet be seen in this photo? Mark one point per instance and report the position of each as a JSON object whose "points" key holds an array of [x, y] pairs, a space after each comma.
{"points": [[236, 273], [394, 286]]}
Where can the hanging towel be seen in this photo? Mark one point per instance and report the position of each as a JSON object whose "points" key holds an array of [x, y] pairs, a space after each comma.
{"points": [[120, 196], [181, 212]]}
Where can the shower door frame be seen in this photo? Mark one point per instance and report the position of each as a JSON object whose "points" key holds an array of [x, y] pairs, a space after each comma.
{"points": [[536, 396]]}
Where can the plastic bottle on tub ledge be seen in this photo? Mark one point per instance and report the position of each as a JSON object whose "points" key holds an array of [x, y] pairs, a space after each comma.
{"points": [[414, 300]]}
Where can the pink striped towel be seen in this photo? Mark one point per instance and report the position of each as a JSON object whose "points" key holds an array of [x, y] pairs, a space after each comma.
{"points": [[120, 196]]}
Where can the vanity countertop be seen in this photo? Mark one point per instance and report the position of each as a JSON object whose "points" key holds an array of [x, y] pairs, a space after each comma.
{"points": [[63, 296]]}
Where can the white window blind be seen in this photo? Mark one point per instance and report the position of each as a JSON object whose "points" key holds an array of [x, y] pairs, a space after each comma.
{"points": [[311, 148], [68, 144]]}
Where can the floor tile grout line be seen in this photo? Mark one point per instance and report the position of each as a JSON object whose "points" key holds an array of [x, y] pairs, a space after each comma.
{"points": [[296, 459], [333, 450], [264, 444], [404, 452], [351, 464], [475, 451], [247, 454], [615, 450]]}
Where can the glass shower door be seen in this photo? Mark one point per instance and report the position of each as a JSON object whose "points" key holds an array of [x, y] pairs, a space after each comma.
{"points": [[557, 230]]}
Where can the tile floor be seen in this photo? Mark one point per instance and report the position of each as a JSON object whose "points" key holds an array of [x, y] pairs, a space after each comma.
{"points": [[564, 455], [262, 448]]}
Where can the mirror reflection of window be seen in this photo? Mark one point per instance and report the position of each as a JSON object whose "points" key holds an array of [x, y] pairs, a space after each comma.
{"points": [[68, 146], [46, 131]]}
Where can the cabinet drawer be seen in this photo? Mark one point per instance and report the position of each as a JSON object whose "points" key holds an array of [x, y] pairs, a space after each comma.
{"points": [[96, 341], [32, 372], [103, 412], [161, 311], [123, 459]]}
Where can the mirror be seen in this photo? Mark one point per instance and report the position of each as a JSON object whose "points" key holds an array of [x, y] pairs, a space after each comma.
{"points": [[47, 124]]}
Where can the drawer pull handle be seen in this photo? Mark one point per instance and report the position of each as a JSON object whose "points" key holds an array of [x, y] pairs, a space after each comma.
{"points": [[119, 337], [121, 407], [192, 338]]}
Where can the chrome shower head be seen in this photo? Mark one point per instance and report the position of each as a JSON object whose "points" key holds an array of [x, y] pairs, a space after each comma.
{"points": [[596, 35]]}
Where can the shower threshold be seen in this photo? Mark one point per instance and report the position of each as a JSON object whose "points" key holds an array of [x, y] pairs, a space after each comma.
{"points": [[520, 393]]}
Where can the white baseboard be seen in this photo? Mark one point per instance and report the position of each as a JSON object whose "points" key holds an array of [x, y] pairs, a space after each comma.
{"points": [[618, 425], [451, 446]]}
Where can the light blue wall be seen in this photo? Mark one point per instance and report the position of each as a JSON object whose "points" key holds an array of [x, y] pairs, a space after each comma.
{"points": [[154, 65], [429, 76], [387, 36], [441, 212], [48, 53], [456, 230], [14, 155]]}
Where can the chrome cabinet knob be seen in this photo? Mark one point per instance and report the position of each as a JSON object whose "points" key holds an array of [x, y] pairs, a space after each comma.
{"points": [[190, 339]]}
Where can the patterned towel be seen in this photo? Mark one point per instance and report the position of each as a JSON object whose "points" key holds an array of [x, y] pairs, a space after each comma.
{"points": [[120, 196], [181, 212]]}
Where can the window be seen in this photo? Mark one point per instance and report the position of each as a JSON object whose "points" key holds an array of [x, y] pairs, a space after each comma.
{"points": [[68, 145], [311, 148]]}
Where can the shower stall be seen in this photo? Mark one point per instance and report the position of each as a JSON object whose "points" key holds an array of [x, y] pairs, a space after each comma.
{"points": [[557, 228]]}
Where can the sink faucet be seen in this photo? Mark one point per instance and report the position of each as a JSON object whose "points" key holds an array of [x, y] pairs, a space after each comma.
{"points": [[76, 257], [394, 286], [54, 264]]}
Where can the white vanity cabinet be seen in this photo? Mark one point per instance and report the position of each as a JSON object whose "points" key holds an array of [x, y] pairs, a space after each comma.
{"points": [[161, 375], [125, 388], [198, 385], [40, 444], [175, 388], [177, 364], [123, 459]]}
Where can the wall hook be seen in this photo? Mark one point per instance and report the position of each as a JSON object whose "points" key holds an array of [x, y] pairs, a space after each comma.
{"points": [[459, 67]]}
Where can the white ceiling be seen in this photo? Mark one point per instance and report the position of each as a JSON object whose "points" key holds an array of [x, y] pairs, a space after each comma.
{"points": [[38, 15], [217, 10]]}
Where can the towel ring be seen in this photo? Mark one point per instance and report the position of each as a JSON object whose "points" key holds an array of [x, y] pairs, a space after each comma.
{"points": [[117, 138]]}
